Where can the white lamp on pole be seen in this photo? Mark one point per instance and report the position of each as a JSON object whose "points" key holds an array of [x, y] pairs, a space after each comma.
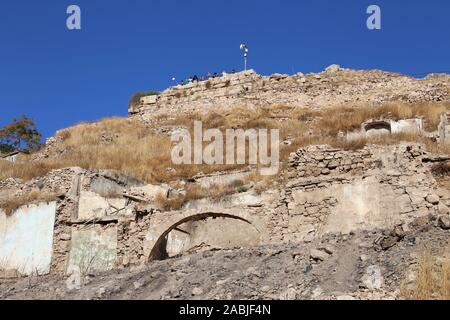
{"points": [[245, 49]]}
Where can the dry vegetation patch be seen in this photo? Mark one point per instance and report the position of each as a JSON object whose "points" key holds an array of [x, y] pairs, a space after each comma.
{"points": [[11, 204], [432, 281], [196, 192], [215, 191], [135, 149], [441, 170]]}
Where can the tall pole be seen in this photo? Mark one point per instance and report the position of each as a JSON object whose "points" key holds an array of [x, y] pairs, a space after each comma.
{"points": [[245, 60], [245, 49]]}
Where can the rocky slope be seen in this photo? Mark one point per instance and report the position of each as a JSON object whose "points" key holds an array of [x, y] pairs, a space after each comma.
{"points": [[333, 87], [363, 265], [337, 222]]}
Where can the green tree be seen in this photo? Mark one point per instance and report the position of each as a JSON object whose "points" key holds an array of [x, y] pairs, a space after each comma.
{"points": [[5, 148], [20, 133]]}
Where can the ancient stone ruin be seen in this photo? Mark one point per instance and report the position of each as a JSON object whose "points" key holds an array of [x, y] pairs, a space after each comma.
{"points": [[335, 86], [105, 220], [444, 128], [338, 216], [373, 128]]}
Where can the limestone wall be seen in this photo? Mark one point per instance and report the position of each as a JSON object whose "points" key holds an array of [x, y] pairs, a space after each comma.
{"points": [[323, 160], [335, 86], [444, 129], [107, 220], [377, 187]]}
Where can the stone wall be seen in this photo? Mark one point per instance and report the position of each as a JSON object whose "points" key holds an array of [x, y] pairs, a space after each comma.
{"points": [[107, 220], [323, 160], [444, 129], [335, 86], [335, 191]]}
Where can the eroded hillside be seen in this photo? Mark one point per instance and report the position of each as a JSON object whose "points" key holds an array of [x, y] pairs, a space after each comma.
{"points": [[361, 197]]}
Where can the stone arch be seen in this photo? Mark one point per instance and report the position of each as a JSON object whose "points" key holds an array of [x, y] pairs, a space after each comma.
{"points": [[378, 125], [157, 242]]}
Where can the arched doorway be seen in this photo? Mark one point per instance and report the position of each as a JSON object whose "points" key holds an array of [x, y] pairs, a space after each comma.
{"points": [[221, 228], [377, 128]]}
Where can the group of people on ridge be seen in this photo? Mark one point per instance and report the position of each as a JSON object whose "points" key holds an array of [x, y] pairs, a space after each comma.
{"points": [[206, 77]]}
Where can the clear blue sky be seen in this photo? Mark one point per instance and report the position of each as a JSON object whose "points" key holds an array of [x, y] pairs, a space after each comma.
{"points": [[61, 77]]}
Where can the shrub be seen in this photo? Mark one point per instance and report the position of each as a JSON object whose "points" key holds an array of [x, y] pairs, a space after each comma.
{"points": [[6, 148], [441, 169], [136, 98], [196, 192], [242, 189]]}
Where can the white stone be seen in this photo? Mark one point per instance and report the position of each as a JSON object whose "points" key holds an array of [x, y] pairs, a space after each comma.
{"points": [[74, 281], [318, 255], [433, 199], [444, 222], [149, 99], [333, 68], [443, 209], [197, 292], [345, 298], [373, 279], [289, 294]]}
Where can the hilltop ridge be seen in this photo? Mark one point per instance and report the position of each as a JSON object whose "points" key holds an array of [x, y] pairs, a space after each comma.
{"points": [[362, 188], [333, 87]]}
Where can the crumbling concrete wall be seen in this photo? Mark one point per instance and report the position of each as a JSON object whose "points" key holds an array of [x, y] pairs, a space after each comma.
{"points": [[92, 206], [26, 238], [93, 248], [106, 221], [407, 126]]}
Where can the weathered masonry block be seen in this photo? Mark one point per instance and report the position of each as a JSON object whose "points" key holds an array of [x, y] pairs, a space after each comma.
{"points": [[444, 128], [333, 87], [26, 239], [105, 220]]}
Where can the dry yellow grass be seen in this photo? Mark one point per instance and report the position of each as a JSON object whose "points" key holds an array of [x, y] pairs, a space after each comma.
{"points": [[27, 170], [131, 147], [347, 118], [11, 204], [432, 280], [118, 144], [196, 192]]}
